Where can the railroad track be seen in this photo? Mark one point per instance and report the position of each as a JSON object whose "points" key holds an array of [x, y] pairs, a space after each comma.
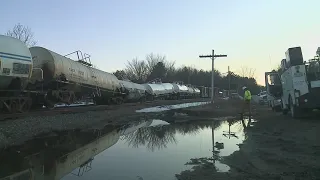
{"points": [[85, 108], [68, 110], [72, 110]]}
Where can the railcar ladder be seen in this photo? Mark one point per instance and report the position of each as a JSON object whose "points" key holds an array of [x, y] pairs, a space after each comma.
{"points": [[84, 59]]}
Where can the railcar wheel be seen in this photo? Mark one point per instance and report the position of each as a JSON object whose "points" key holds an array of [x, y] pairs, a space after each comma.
{"points": [[14, 106], [25, 105], [118, 100], [49, 104]]}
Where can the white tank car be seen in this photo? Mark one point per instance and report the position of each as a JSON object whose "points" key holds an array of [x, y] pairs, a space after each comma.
{"points": [[197, 91], [15, 62], [169, 89], [155, 89], [54, 65], [190, 90], [135, 91], [180, 88]]}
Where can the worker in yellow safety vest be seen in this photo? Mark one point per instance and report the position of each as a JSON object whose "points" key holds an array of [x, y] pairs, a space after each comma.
{"points": [[247, 100]]}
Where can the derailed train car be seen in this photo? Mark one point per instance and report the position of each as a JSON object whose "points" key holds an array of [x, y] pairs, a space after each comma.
{"points": [[175, 90], [134, 92], [66, 80], [155, 91], [180, 89], [197, 92], [15, 72]]}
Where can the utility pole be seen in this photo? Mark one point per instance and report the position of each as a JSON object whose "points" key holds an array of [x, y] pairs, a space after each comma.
{"points": [[213, 56], [229, 80]]}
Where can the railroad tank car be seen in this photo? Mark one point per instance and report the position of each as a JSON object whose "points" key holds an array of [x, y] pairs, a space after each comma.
{"points": [[67, 80], [134, 91], [15, 63], [155, 90], [170, 92], [197, 92], [190, 91], [15, 72], [168, 87], [182, 90]]}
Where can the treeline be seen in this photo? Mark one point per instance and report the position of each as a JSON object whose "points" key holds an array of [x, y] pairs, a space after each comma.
{"points": [[156, 66]]}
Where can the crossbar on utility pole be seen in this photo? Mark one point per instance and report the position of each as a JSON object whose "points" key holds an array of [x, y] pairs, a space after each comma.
{"points": [[229, 79], [213, 56]]}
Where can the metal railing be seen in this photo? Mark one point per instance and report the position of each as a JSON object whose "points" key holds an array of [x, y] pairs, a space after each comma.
{"points": [[82, 57]]}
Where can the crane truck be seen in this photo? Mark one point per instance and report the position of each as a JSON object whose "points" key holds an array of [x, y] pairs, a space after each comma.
{"points": [[296, 85]]}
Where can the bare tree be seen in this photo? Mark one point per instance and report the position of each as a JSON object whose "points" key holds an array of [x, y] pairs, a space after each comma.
{"points": [[152, 60], [23, 33], [136, 70], [247, 72]]}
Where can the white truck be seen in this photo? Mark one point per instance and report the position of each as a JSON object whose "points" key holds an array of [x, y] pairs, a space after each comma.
{"points": [[300, 83]]}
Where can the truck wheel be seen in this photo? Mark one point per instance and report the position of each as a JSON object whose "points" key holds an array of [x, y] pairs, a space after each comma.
{"points": [[294, 111], [278, 108], [284, 111]]}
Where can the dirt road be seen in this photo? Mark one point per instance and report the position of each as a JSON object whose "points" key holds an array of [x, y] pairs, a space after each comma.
{"points": [[276, 147]]}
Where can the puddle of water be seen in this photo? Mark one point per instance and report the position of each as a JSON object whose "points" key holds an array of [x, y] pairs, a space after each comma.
{"points": [[160, 152], [170, 107], [151, 149]]}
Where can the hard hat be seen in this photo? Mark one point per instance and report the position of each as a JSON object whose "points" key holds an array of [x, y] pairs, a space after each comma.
{"points": [[243, 88]]}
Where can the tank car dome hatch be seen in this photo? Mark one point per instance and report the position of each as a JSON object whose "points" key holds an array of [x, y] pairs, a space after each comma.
{"points": [[15, 62]]}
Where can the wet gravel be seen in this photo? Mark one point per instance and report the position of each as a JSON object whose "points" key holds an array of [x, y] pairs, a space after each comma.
{"points": [[17, 131]]}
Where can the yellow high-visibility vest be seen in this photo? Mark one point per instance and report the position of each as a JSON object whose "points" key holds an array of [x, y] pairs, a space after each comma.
{"points": [[247, 95]]}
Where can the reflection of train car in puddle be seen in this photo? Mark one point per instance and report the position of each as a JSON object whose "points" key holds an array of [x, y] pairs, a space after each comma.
{"points": [[55, 162], [81, 157], [55, 157]]}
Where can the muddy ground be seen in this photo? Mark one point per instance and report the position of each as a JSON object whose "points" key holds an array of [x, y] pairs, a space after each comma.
{"points": [[276, 147]]}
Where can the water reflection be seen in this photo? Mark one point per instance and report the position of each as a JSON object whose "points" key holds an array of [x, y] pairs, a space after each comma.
{"points": [[52, 156], [210, 166], [157, 137], [115, 151], [151, 137]]}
